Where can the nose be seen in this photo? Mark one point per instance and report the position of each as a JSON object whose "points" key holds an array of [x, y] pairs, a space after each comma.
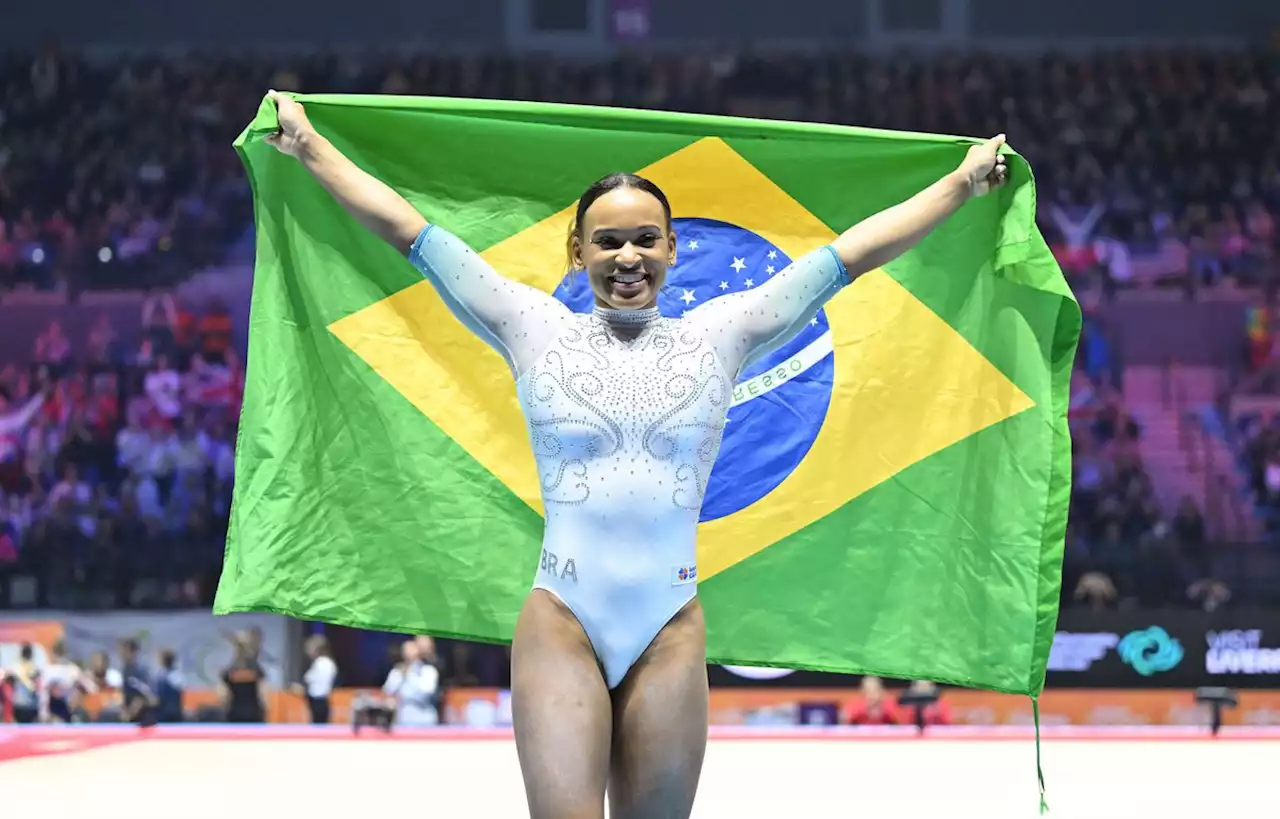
{"points": [[627, 256]]}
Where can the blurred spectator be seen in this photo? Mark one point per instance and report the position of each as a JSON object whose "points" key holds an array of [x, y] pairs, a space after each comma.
{"points": [[65, 684], [243, 698], [319, 679], [139, 699], [1096, 590], [168, 687], [1209, 594], [215, 328], [1188, 530], [25, 689], [163, 387], [414, 685], [53, 349], [108, 682], [1257, 438], [873, 708]]}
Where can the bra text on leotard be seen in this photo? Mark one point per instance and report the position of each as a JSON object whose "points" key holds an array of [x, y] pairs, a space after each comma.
{"points": [[567, 572]]}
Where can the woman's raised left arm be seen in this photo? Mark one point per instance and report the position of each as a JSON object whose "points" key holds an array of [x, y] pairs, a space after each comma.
{"points": [[745, 326], [883, 237]]}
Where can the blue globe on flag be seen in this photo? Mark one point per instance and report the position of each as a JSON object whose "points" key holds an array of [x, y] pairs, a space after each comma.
{"points": [[773, 421]]}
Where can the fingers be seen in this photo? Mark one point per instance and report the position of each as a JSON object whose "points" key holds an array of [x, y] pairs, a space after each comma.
{"points": [[999, 173], [276, 100], [282, 102], [985, 167], [1000, 169]]}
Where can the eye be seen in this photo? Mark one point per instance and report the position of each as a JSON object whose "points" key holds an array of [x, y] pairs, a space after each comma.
{"points": [[608, 243]]}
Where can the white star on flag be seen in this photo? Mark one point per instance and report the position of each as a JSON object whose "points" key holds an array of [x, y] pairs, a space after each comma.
{"points": [[738, 264], [773, 254], [770, 270], [693, 244], [724, 285], [688, 297], [750, 283]]}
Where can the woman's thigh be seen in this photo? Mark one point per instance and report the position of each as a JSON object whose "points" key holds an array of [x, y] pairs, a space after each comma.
{"points": [[561, 712], [660, 724]]}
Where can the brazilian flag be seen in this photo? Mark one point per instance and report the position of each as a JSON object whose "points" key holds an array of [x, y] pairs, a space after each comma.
{"points": [[891, 495]]}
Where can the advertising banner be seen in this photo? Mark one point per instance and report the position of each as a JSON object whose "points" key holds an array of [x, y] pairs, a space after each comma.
{"points": [[200, 639], [1237, 648], [783, 707]]}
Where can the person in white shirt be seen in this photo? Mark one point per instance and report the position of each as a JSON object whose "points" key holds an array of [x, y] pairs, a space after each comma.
{"points": [[164, 387], [319, 679], [65, 682], [413, 684]]}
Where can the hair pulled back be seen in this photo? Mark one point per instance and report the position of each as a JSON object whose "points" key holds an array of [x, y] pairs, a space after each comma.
{"points": [[600, 187]]}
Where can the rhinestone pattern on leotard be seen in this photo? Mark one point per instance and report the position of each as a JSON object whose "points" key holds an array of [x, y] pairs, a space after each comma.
{"points": [[629, 406]]}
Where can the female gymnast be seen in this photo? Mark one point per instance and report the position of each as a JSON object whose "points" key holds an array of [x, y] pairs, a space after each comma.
{"points": [[625, 410]]}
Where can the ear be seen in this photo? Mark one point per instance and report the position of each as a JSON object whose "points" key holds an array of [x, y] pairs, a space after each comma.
{"points": [[672, 245], [575, 252]]}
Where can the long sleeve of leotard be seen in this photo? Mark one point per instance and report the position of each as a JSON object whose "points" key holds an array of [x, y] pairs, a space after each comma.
{"points": [[747, 325], [515, 319]]}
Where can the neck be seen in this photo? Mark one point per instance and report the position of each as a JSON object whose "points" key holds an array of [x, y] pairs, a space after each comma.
{"points": [[627, 318]]}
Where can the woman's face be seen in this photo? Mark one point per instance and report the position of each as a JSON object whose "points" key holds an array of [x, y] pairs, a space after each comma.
{"points": [[625, 246]]}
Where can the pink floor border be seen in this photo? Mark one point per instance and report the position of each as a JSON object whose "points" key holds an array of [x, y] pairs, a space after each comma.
{"points": [[719, 733]]}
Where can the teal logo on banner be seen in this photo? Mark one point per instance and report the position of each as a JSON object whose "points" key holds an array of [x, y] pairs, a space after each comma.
{"points": [[1150, 651]]}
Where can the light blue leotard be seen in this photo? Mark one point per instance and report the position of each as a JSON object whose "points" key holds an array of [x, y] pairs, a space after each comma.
{"points": [[625, 411]]}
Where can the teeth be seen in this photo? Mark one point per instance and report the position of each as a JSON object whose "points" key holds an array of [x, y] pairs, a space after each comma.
{"points": [[628, 278]]}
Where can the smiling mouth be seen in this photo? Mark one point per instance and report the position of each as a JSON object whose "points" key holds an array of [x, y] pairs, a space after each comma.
{"points": [[629, 285]]}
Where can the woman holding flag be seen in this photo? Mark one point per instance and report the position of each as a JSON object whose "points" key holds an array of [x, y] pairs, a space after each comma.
{"points": [[625, 410]]}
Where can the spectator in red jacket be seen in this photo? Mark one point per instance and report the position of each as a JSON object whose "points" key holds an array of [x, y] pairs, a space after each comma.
{"points": [[874, 708]]}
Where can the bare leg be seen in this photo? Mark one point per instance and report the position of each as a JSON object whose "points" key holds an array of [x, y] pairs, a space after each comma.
{"points": [[660, 724], [561, 710]]}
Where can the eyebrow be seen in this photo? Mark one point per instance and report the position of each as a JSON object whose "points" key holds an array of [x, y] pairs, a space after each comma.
{"points": [[598, 231]]}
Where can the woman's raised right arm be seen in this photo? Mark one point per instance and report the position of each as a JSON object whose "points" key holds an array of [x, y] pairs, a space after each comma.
{"points": [[515, 319], [371, 202]]}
